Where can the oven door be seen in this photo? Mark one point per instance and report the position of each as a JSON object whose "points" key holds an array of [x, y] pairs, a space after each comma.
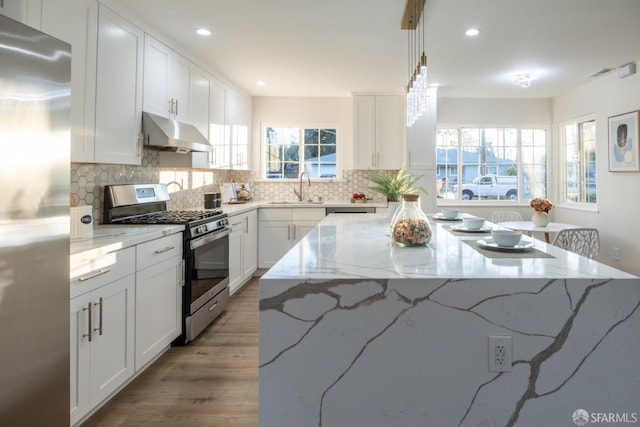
{"points": [[207, 267]]}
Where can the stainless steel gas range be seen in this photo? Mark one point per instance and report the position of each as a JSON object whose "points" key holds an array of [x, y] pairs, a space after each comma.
{"points": [[206, 248]]}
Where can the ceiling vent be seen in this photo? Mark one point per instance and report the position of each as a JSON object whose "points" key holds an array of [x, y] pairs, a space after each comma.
{"points": [[600, 72]]}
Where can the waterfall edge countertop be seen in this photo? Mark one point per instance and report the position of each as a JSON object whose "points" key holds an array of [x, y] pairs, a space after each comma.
{"points": [[355, 246], [357, 332]]}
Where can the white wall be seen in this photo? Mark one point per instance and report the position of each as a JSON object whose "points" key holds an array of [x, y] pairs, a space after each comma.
{"points": [[290, 110], [494, 112], [618, 192]]}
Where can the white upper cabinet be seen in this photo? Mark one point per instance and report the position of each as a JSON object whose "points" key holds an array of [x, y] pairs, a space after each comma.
{"points": [[379, 137], [118, 96], [70, 20], [218, 133], [170, 82], [238, 120]]}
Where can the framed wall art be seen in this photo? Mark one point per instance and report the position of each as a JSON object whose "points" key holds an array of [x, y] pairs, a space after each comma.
{"points": [[623, 142]]}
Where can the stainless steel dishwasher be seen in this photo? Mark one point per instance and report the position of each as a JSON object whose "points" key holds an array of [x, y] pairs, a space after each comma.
{"points": [[350, 209]]}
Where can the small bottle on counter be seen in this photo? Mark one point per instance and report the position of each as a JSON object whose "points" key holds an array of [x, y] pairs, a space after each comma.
{"points": [[410, 226]]}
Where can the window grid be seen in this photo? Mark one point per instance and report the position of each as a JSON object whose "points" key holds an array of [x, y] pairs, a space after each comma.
{"points": [[287, 148], [580, 160], [520, 153]]}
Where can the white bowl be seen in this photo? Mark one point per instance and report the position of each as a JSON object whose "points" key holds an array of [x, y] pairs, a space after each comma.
{"points": [[449, 213], [505, 238], [473, 223]]}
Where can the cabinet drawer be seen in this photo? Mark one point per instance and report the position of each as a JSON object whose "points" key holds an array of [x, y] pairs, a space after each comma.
{"points": [[158, 250], [311, 214], [275, 214], [92, 273]]}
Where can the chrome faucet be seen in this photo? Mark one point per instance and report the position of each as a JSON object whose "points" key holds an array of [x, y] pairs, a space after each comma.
{"points": [[299, 192]]}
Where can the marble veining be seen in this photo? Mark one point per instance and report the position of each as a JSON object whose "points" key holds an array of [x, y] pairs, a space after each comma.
{"points": [[385, 348]]}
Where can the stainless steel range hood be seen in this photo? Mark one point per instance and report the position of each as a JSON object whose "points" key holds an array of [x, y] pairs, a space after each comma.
{"points": [[171, 135]]}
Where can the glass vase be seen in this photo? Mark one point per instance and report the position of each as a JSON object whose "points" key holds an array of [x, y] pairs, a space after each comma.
{"points": [[410, 226]]}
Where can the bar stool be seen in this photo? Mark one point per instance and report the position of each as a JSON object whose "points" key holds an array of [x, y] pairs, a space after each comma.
{"points": [[503, 216], [583, 241]]}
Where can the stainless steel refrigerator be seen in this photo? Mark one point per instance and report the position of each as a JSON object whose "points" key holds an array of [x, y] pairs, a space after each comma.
{"points": [[34, 227]]}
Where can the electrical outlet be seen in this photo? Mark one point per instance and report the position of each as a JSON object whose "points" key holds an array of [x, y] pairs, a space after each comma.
{"points": [[616, 253], [500, 353]]}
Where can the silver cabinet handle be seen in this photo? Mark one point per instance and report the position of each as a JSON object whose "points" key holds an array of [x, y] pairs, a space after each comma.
{"points": [[176, 113], [246, 224], [88, 334], [373, 159], [167, 249], [289, 232], [93, 275], [99, 328], [170, 102], [294, 232], [213, 306]]}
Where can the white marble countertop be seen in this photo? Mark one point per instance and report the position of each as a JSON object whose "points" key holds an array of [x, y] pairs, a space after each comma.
{"points": [[109, 238], [234, 209], [359, 246]]}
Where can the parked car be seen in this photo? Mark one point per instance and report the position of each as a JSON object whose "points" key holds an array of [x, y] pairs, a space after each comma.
{"points": [[492, 186]]}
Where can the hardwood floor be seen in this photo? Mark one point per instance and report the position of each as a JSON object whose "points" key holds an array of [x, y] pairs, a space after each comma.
{"points": [[210, 382]]}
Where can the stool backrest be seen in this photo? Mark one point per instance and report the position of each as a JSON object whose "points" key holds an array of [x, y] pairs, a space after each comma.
{"points": [[583, 241], [503, 216]]}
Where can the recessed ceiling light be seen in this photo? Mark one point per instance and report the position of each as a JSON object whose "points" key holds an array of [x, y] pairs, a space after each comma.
{"points": [[261, 83], [203, 32], [472, 32]]}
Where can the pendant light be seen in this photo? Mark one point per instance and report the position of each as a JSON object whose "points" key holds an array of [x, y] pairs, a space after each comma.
{"points": [[416, 103]]}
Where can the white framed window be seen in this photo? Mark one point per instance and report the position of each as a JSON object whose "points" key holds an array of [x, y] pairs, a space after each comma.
{"points": [[291, 150], [493, 163], [579, 183]]}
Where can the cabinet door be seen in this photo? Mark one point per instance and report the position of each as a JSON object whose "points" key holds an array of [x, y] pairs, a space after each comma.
{"points": [[238, 119], [112, 348], [218, 135], [200, 101], [118, 90], [250, 245], [390, 125], [301, 229], [69, 20], [79, 358], [364, 127], [158, 309], [156, 96], [181, 80], [274, 242], [13, 9], [235, 253]]}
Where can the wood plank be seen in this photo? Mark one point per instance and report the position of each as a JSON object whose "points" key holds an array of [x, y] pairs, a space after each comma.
{"points": [[210, 382], [412, 12]]}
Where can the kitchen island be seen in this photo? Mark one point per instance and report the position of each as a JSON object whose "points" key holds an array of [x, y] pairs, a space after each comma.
{"points": [[357, 332]]}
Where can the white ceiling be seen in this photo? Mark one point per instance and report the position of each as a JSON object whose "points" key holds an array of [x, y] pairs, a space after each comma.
{"points": [[337, 47]]}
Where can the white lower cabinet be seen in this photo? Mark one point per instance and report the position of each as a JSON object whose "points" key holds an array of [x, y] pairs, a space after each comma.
{"points": [[159, 279], [102, 338], [281, 228], [126, 309], [243, 249]]}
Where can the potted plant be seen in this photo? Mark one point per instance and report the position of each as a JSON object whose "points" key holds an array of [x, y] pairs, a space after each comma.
{"points": [[393, 186]]}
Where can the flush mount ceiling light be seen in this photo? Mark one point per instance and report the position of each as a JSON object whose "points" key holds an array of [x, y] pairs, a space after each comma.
{"points": [[472, 32], [261, 83], [523, 79], [417, 60], [203, 32]]}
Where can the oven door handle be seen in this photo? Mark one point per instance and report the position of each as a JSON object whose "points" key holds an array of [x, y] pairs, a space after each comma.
{"points": [[208, 238]]}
